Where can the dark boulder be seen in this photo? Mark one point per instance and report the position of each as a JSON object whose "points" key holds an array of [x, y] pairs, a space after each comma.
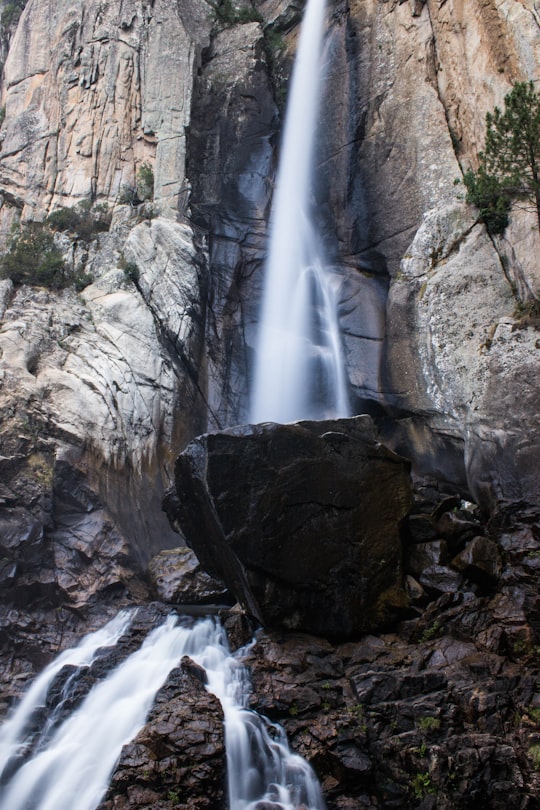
{"points": [[302, 521], [178, 759]]}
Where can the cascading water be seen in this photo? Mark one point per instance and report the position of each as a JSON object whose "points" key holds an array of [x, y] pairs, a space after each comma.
{"points": [[72, 767], [299, 368], [14, 732], [260, 766]]}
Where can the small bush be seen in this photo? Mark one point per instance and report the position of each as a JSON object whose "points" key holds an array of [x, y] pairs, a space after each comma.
{"points": [[431, 632], [273, 42], [534, 754], [422, 785], [429, 723], [64, 219], [12, 12], [145, 182], [129, 196], [527, 314], [131, 271], [34, 258], [226, 14], [81, 221]]}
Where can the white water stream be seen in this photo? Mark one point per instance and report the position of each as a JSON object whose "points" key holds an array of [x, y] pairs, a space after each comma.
{"points": [[13, 732], [299, 368], [72, 768], [260, 764]]}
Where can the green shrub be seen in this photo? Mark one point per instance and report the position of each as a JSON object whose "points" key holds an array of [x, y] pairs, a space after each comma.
{"points": [[12, 12], [129, 196], [64, 219], [81, 221], [225, 13], [431, 632], [534, 754], [131, 270], [145, 182], [509, 166], [421, 785], [428, 723], [34, 258]]}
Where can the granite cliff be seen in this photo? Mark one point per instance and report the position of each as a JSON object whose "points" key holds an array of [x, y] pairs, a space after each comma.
{"points": [[102, 386]]}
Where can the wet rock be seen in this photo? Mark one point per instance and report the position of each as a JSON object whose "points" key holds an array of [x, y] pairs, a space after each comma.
{"points": [[480, 561], [423, 555], [421, 529], [455, 530], [240, 627], [440, 579], [426, 717], [414, 590], [176, 577], [301, 521], [178, 758]]}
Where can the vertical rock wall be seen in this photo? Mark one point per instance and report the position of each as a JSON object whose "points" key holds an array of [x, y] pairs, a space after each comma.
{"points": [[91, 92], [98, 389]]}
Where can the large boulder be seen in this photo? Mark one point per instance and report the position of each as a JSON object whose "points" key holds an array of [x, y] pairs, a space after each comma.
{"points": [[301, 521]]}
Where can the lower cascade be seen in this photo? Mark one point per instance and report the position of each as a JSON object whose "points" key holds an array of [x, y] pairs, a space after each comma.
{"points": [[69, 762]]}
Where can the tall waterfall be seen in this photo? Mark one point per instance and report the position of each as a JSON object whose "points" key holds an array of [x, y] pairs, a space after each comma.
{"points": [[299, 367], [71, 766]]}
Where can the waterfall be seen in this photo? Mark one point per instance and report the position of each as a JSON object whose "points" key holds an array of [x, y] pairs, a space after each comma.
{"points": [[14, 732], [71, 767], [262, 771], [299, 367]]}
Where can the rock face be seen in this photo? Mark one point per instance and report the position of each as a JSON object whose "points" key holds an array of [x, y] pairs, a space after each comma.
{"points": [[92, 91], [176, 577], [94, 390], [301, 521], [178, 759], [443, 713], [424, 77]]}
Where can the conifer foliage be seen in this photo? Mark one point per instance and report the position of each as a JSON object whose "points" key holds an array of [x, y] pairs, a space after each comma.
{"points": [[509, 166]]}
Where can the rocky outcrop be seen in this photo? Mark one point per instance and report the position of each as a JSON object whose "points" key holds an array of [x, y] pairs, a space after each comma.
{"points": [[301, 522], [178, 759], [441, 713], [95, 389], [92, 91], [231, 165], [464, 378], [176, 577], [423, 82]]}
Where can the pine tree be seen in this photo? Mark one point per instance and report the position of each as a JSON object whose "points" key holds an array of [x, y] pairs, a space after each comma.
{"points": [[509, 166]]}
